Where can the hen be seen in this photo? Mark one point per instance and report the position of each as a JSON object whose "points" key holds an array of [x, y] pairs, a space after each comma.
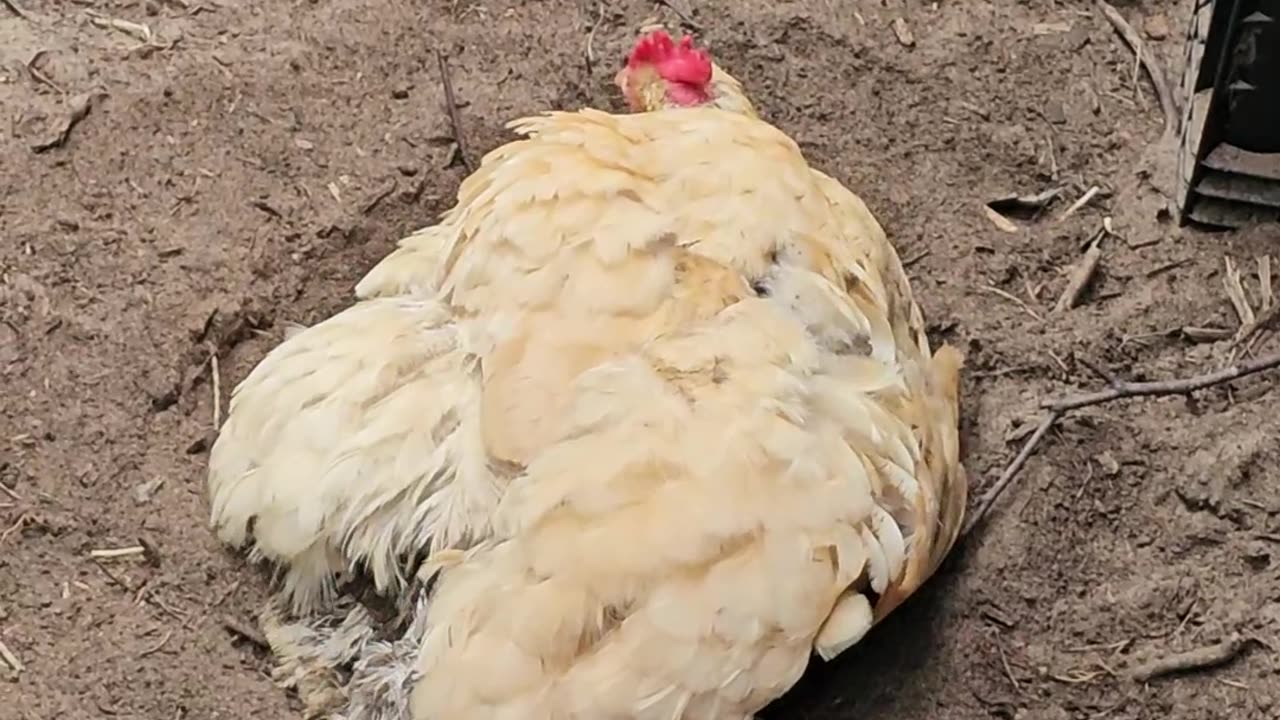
{"points": [[654, 394]]}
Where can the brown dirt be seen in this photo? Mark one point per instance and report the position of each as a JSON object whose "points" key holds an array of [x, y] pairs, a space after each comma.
{"points": [[246, 176]]}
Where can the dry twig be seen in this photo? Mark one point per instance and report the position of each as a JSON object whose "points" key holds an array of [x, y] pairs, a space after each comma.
{"points": [[451, 105], [1157, 388], [591, 37], [33, 69], [112, 553], [1118, 389], [1197, 659], [115, 579], [1149, 63], [158, 646], [1081, 276], [1233, 284], [10, 492], [993, 493], [10, 659], [1013, 299], [216, 383], [1084, 199], [1252, 325], [16, 9]]}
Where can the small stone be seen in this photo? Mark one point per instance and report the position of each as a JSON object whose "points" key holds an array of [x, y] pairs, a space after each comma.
{"points": [[400, 92], [1156, 26]]}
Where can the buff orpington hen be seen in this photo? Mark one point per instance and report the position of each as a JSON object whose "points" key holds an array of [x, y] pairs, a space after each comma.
{"points": [[653, 400]]}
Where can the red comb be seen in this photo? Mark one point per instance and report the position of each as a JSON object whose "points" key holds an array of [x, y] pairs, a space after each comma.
{"points": [[678, 62]]}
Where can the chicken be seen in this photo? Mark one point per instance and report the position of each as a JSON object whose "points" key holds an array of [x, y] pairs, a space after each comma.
{"points": [[655, 397]]}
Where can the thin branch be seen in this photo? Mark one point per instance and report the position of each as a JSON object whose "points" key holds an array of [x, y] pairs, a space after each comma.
{"points": [[994, 492], [1149, 63], [1158, 388], [1197, 659], [10, 658], [16, 9], [1117, 390], [451, 104]]}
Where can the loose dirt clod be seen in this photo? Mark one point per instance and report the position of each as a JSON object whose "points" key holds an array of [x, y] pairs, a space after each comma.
{"points": [[78, 109]]}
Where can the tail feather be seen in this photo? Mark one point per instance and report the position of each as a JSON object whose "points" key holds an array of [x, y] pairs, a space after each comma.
{"points": [[350, 447]]}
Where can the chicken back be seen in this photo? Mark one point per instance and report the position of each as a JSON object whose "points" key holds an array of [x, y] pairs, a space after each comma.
{"points": [[655, 393]]}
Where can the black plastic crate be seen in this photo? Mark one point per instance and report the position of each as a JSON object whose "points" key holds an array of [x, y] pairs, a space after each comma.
{"points": [[1229, 157]]}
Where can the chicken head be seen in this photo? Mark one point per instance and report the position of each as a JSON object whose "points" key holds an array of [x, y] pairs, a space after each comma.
{"points": [[661, 73]]}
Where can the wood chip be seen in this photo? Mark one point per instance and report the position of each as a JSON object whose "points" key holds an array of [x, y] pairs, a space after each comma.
{"points": [[1233, 284], [1081, 275]]}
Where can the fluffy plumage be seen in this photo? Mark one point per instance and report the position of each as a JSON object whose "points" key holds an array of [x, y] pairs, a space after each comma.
{"points": [[354, 446], [670, 397]]}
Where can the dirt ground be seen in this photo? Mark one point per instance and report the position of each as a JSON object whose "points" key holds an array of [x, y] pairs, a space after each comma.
{"points": [[245, 165]]}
